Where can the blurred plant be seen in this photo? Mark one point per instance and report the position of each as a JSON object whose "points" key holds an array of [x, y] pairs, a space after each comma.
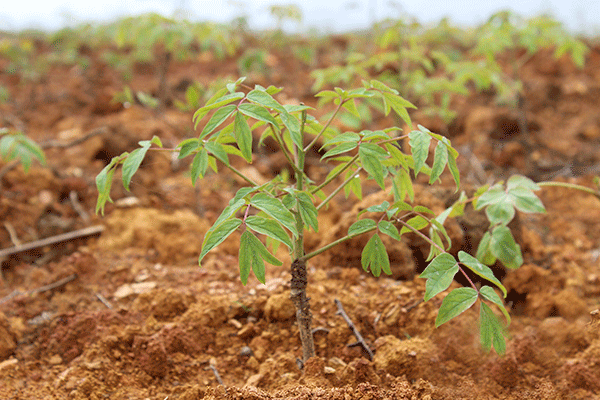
{"points": [[14, 145]]}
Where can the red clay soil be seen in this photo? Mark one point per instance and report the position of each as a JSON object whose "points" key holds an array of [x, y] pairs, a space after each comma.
{"points": [[141, 320]]}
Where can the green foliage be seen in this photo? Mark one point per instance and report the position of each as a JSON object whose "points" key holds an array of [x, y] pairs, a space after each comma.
{"points": [[14, 145], [280, 212]]}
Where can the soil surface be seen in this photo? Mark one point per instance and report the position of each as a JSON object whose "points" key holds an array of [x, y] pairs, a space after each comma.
{"points": [[129, 314]]}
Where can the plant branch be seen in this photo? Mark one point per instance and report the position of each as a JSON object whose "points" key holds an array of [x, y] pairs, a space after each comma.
{"points": [[331, 178], [431, 242], [337, 190], [571, 186], [244, 177], [332, 244], [312, 143]]}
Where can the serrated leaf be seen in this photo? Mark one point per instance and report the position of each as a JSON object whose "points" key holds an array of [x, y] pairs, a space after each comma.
{"points": [[361, 226], [419, 144], [488, 293], [440, 159], [217, 119], [199, 165], [217, 234], [375, 257], [439, 274], [276, 210], [491, 330], [480, 269], [417, 223], [504, 247], [132, 163], [243, 136], [455, 303], [269, 228]]}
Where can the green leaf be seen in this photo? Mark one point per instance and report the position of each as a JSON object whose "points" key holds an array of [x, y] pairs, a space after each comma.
{"points": [[383, 207], [389, 229], [491, 330], [372, 165], [500, 213], [419, 144], [521, 181], [488, 293], [495, 194], [346, 137], [216, 103], [454, 170], [350, 105], [217, 119], [399, 105], [104, 183], [187, 147], [480, 269], [526, 201], [308, 211], [257, 112], [440, 159], [439, 274], [293, 126], [243, 136], [132, 163], [403, 186], [269, 228], [342, 148], [504, 247], [265, 99], [455, 303], [217, 234], [417, 222], [375, 257], [484, 253], [361, 226], [276, 210], [199, 165], [217, 150], [253, 254]]}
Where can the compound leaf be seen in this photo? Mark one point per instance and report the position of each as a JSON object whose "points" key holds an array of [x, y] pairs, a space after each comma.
{"points": [[480, 269], [439, 274], [455, 303], [243, 136], [270, 228], [504, 247], [375, 257], [217, 234], [491, 330], [276, 210]]}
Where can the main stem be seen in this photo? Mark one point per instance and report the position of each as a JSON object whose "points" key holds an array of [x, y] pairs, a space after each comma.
{"points": [[299, 276]]}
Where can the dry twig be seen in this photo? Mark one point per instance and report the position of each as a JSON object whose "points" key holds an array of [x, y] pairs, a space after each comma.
{"points": [[360, 340]]}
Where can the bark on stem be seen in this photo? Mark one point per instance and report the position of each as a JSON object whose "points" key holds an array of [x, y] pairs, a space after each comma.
{"points": [[303, 314]]}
